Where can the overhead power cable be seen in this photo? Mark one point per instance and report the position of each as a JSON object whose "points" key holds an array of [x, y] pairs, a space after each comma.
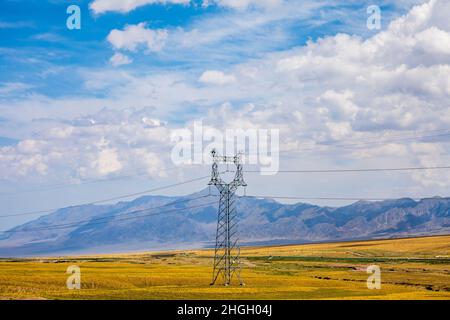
{"points": [[109, 199], [352, 170], [131, 212], [417, 134], [39, 188], [329, 198], [88, 222], [373, 141], [342, 143], [246, 171]]}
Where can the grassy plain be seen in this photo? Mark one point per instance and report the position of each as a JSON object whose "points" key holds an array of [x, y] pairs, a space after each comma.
{"points": [[417, 268]]}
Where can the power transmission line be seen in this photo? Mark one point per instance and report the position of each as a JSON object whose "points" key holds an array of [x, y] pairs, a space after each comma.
{"points": [[109, 199], [353, 170], [66, 185], [376, 141], [61, 186], [66, 226], [416, 135], [356, 142], [97, 221], [246, 171], [74, 223], [328, 198]]}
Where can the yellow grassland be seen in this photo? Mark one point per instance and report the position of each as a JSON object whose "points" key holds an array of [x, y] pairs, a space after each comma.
{"points": [[416, 268]]}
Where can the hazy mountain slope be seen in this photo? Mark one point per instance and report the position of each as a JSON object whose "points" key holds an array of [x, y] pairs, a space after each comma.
{"points": [[119, 227]]}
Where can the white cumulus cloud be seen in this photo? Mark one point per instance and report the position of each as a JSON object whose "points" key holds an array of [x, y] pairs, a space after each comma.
{"points": [[119, 59], [98, 145], [132, 36]]}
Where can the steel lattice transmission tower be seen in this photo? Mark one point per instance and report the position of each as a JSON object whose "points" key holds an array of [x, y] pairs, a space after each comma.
{"points": [[227, 252]]}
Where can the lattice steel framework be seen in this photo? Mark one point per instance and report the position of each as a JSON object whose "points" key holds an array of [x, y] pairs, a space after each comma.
{"points": [[227, 252]]}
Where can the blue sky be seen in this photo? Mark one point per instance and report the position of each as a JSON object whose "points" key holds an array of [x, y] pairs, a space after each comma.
{"points": [[35, 41], [75, 104]]}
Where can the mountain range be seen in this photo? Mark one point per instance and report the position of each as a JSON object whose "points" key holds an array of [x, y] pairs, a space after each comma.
{"points": [[162, 222]]}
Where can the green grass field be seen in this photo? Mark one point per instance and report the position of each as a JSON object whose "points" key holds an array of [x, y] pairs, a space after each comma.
{"points": [[417, 268]]}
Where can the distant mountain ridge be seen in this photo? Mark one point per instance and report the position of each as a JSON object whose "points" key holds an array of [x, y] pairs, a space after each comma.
{"points": [[135, 226]]}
